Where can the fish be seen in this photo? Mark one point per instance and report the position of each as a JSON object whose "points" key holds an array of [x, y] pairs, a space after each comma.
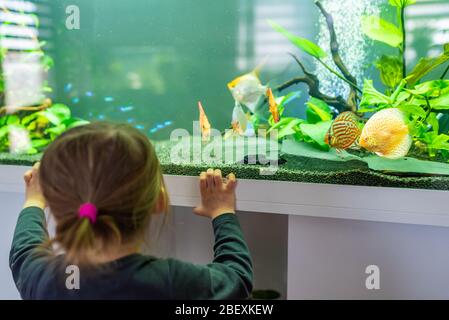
{"points": [[126, 108], [68, 87], [89, 94], [274, 110], [239, 120], [387, 134], [344, 131], [75, 100], [240, 124], [109, 99], [204, 124], [247, 89]]}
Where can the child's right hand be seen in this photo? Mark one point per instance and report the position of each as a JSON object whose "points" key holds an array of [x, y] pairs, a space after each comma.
{"points": [[217, 196], [33, 192]]}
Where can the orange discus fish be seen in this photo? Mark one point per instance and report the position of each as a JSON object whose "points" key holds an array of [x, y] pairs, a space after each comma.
{"points": [[204, 123], [273, 105], [344, 131], [387, 134]]}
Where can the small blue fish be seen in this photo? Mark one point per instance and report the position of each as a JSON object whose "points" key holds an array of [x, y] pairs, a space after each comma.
{"points": [[101, 117], [75, 100], [140, 127], [160, 126], [68, 87], [168, 123], [154, 130], [126, 108], [109, 99], [89, 94], [130, 120]]}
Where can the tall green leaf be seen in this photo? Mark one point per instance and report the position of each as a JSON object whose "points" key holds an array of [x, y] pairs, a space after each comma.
{"points": [[302, 43], [381, 30], [426, 65], [401, 3]]}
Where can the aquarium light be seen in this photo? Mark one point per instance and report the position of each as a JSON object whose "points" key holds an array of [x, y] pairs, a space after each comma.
{"points": [[19, 44], [23, 6], [17, 18], [18, 31], [428, 9]]}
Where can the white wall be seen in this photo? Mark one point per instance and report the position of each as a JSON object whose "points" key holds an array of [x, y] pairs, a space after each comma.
{"points": [[328, 257], [10, 204]]}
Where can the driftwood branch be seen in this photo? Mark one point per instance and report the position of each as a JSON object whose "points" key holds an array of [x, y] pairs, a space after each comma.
{"points": [[353, 96], [313, 83], [46, 104]]}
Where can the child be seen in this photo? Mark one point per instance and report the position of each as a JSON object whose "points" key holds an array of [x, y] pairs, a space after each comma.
{"points": [[102, 183]]}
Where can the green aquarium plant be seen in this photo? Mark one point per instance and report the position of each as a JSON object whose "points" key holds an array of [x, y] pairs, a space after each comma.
{"points": [[423, 102], [41, 123]]}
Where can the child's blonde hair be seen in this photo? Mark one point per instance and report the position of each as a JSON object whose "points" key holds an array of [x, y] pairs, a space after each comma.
{"points": [[115, 168]]}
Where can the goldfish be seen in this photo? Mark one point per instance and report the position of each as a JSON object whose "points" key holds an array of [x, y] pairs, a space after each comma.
{"points": [[247, 89], [273, 105], [344, 131], [204, 123], [387, 134]]}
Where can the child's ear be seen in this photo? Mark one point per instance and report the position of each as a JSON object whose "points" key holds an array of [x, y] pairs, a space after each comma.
{"points": [[161, 205]]}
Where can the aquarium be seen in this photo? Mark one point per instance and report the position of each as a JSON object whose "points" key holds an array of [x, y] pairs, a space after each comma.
{"points": [[339, 92]]}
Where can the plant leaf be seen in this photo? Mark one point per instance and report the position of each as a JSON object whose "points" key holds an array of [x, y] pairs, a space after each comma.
{"points": [[401, 3], [74, 122], [381, 30], [4, 132], [372, 97], [40, 143], [426, 65], [441, 103], [316, 132], [12, 119], [317, 111], [407, 165], [289, 129], [390, 68], [57, 113], [411, 109], [283, 101], [302, 43], [434, 122]]}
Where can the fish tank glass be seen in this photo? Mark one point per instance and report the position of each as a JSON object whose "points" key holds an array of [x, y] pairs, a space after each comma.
{"points": [[341, 92]]}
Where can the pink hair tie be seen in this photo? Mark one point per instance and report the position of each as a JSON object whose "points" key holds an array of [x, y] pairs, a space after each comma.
{"points": [[89, 211]]}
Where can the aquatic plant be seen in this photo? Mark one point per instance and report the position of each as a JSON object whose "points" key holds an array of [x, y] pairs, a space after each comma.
{"points": [[29, 129], [422, 103]]}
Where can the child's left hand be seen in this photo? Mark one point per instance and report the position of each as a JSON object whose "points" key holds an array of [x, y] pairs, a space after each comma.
{"points": [[33, 192]]}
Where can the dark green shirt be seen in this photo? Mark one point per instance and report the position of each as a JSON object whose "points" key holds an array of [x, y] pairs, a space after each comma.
{"points": [[40, 275]]}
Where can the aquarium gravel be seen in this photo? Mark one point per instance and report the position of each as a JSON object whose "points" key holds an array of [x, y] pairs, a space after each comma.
{"points": [[294, 169]]}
